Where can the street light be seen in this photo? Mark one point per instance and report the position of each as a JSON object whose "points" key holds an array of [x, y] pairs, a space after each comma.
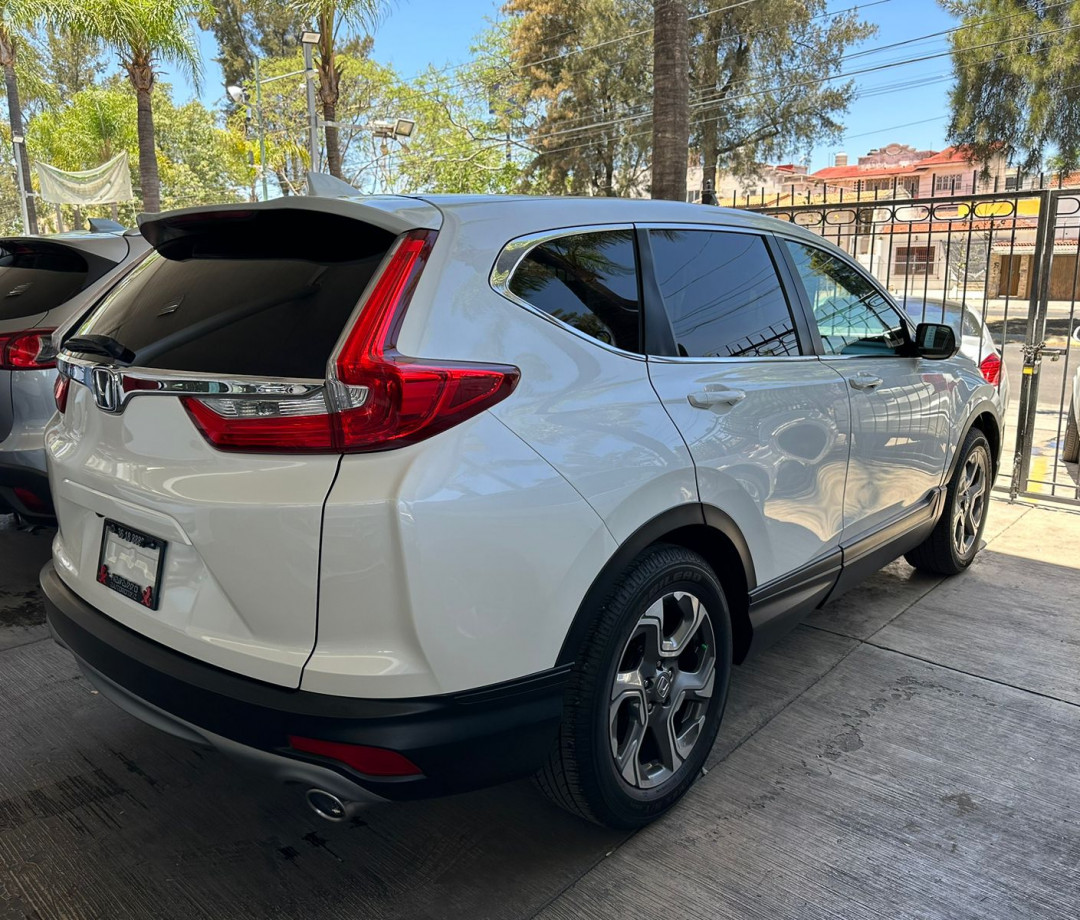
{"points": [[309, 39], [239, 96], [17, 141]]}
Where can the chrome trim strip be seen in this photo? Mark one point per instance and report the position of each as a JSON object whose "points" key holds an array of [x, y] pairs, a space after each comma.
{"points": [[113, 386], [702, 227], [510, 257], [726, 360]]}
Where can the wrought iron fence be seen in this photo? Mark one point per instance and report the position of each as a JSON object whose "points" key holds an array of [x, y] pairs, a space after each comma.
{"points": [[1004, 267]]}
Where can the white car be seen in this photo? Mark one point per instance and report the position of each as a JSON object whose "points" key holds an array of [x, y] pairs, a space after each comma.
{"points": [[976, 340], [430, 493]]}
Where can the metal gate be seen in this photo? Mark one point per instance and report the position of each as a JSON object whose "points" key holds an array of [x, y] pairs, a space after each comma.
{"points": [[1007, 262]]}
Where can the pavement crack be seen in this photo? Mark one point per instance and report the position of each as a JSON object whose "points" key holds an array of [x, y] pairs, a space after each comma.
{"points": [[989, 680], [28, 642]]}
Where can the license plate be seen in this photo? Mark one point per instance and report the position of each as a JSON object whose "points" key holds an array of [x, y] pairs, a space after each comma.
{"points": [[131, 563]]}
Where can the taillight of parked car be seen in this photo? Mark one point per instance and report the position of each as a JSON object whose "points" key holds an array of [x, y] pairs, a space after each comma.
{"points": [[27, 351], [60, 392], [991, 368], [377, 398]]}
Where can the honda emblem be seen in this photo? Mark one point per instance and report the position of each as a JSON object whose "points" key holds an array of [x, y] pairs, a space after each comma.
{"points": [[106, 389]]}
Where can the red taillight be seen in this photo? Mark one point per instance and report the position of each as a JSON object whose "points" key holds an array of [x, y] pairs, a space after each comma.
{"points": [[261, 425], [31, 350], [60, 392], [31, 501], [991, 368], [380, 398], [373, 761]]}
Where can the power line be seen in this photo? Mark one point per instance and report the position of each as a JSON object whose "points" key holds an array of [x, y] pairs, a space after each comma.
{"points": [[931, 35], [646, 108], [813, 82]]}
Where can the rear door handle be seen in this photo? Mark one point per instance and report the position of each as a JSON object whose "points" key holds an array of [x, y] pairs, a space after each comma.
{"points": [[865, 381], [709, 398]]}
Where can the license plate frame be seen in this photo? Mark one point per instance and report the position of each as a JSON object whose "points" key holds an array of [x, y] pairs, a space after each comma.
{"points": [[142, 552]]}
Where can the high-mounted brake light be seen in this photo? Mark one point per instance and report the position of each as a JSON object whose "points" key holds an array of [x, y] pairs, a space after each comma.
{"points": [[27, 351], [376, 397], [991, 368]]}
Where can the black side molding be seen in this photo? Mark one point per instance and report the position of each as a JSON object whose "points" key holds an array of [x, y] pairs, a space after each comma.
{"points": [[688, 515]]}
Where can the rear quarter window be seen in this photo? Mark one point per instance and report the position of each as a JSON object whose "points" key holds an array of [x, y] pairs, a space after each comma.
{"points": [[587, 280], [266, 295]]}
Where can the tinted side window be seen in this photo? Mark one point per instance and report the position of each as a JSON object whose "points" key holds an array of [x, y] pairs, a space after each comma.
{"points": [[852, 315], [589, 281], [722, 294]]}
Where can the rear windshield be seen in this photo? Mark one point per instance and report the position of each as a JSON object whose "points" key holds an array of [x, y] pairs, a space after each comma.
{"points": [[35, 277], [264, 293]]}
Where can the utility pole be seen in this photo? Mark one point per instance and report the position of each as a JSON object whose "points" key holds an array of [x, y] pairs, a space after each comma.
{"points": [[262, 131], [309, 40]]}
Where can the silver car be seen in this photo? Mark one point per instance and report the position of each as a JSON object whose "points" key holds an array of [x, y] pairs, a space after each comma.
{"points": [[46, 283]]}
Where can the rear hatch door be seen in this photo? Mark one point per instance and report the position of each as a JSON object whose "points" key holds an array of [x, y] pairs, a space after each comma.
{"points": [[227, 542]]}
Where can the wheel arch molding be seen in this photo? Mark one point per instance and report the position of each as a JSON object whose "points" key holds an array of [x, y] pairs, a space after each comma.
{"points": [[986, 413], [702, 528]]}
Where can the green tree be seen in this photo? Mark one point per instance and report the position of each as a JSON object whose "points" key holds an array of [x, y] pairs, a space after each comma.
{"points": [[200, 163], [671, 98], [336, 21], [245, 29], [761, 87], [144, 33], [461, 142], [18, 20], [1017, 81], [464, 125], [71, 62], [583, 72], [764, 80]]}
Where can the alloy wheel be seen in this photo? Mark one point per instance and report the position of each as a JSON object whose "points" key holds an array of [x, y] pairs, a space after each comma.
{"points": [[661, 691], [970, 505]]}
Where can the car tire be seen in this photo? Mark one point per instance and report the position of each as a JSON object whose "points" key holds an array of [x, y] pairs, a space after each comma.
{"points": [[1070, 452], [646, 694], [955, 539]]}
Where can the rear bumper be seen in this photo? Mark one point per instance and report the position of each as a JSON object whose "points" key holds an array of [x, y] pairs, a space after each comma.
{"points": [[460, 741]]}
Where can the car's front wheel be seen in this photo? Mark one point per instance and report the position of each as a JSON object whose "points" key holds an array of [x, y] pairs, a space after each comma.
{"points": [[955, 539], [647, 693]]}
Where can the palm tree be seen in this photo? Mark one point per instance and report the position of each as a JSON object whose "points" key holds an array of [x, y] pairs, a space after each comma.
{"points": [[145, 33], [17, 17], [671, 98], [328, 18]]}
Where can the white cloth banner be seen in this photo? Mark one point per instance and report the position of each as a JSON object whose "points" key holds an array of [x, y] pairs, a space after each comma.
{"points": [[101, 185]]}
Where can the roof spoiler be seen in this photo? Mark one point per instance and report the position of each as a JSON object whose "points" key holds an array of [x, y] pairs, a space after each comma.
{"points": [[323, 185], [104, 225]]}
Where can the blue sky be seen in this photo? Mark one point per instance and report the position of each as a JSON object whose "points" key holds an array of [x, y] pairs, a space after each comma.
{"points": [[896, 104]]}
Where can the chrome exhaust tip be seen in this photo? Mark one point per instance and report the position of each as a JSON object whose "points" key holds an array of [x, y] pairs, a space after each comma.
{"points": [[327, 805]]}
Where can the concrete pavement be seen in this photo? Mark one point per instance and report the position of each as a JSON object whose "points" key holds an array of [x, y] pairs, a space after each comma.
{"points": [[910, 751]]}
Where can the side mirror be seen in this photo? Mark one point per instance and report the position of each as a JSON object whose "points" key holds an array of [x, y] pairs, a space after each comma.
{"points": [[935, 341]]}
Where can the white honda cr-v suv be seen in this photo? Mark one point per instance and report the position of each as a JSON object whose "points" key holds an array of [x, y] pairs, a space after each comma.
{"points": [[399, 496]]}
